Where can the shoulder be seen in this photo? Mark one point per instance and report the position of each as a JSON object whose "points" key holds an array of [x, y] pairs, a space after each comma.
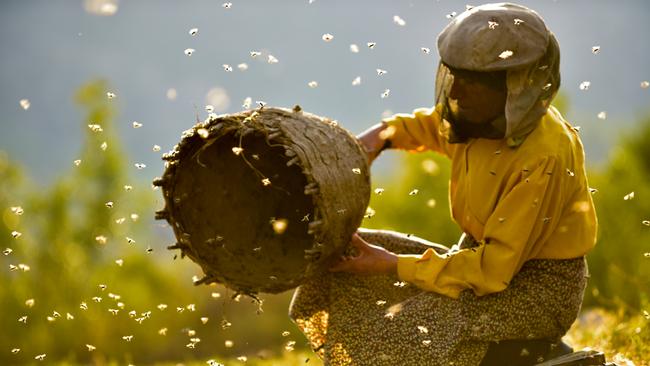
{"points": [[555, 147], [553, 137]]}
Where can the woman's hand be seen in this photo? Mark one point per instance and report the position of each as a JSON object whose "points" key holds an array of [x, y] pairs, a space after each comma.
{"points": [[372, 141], [371, 259]]}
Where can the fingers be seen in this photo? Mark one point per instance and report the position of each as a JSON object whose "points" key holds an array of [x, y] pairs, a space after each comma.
{"points": [[339, 267], [358, 242], [354, 241], [350, 263], [343, 265], [363, 247]]}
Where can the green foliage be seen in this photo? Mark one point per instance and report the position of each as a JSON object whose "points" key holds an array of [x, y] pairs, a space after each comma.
{"points": [[623, 338], [425, 212], [620, 267]]}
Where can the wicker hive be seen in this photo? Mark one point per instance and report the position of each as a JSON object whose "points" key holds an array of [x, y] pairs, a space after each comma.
{"points": [[264, 199]]}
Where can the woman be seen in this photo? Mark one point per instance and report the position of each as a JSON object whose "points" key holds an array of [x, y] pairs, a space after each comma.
{"points": [[513, 285]]}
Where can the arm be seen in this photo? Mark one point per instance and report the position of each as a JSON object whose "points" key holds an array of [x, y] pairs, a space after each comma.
{"points": [[520, 224], [418, 131]]}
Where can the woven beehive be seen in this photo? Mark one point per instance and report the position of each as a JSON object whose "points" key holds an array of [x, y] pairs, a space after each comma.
{"points": [[264, 199]]}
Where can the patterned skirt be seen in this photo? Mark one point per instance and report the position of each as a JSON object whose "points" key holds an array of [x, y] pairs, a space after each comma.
{"points": [[378, 320]]}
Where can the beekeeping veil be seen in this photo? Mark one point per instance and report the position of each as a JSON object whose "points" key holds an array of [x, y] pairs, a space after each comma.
{"points": [[507, 37]]}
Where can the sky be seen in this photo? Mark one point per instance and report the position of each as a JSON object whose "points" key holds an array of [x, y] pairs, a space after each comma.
{"points": [[52, 47]]}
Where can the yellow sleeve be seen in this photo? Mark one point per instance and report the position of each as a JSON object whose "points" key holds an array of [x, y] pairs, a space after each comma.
{"points": [[418, 131], [521, 222]]}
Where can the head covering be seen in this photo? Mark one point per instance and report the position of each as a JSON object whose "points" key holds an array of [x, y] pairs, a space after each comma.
{"points": [[508, 37]]}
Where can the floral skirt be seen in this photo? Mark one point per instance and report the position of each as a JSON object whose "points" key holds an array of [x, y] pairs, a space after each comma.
{"points": [[378, 320]]}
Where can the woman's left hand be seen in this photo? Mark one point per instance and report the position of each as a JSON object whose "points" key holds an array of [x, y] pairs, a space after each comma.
{"points": [[371, 259]]}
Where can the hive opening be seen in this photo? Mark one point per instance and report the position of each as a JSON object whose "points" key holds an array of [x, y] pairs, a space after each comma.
{"points": [[219, 178]]}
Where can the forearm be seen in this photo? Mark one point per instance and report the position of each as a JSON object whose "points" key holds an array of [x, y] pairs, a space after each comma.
{"points": [[375, 140], [418, 131]]}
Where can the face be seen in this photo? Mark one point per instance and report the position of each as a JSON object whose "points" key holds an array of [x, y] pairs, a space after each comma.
{"points": [[477, 97]]}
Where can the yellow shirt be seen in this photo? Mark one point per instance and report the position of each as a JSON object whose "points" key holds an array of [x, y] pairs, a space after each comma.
{"points": [[527, 202]]}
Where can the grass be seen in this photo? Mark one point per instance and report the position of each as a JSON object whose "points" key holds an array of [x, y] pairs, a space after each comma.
{"points": [[624, 339]]}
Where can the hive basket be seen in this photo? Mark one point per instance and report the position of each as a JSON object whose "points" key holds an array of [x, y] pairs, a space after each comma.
{"points": [[263, 200]]}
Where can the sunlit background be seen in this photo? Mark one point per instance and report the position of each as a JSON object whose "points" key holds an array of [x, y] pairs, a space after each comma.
{"points": [[145, 70]]}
